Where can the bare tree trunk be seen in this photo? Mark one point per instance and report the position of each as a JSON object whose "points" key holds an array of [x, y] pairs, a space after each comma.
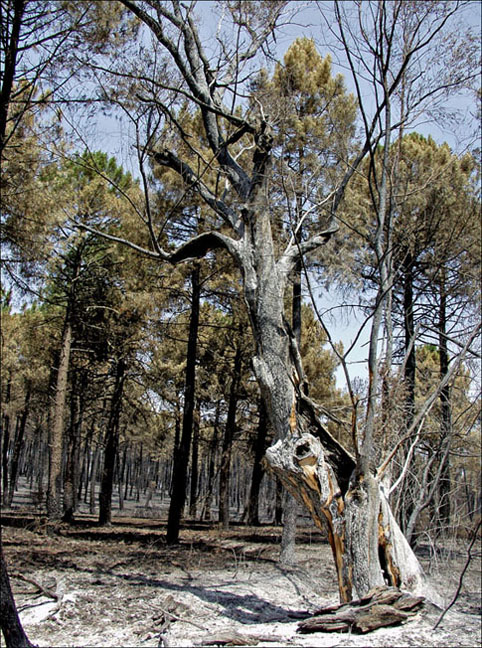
{"points": [[181, 456], [12, 629], [290, 506], [73, 456], [17, 446], [229, 432], [206, 512], [443, 508], [56, 432], [194, 463], [93, 475], [6, 443], [252, 507], [111, 442]]}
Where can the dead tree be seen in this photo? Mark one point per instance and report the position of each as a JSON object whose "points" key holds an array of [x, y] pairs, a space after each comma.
{"points": [[341, 492]]}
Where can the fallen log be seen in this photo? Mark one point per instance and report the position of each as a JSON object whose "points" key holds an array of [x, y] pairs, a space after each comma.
{"points": [[381, 607]]}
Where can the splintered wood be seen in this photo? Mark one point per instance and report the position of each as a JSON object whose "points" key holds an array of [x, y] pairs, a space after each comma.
{"points": [[382, 606]]}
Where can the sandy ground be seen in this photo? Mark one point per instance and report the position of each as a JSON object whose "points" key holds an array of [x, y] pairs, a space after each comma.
{"points": [[123, 586]]}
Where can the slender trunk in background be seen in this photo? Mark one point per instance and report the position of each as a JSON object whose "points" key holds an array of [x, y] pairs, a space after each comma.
{"points": [[229, 433], [111, 442], [408, 488], [194, 463], [206, 512], [443, 499], [252, 508], [93, 474], [56, 432], [71, 478], [17, 446], [181, 457], [6, 443]]}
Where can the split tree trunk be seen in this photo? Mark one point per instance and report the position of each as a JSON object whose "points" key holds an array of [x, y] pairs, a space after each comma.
{"points": [[368, 547]]}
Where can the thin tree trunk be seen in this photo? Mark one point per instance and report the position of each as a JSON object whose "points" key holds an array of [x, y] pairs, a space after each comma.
{"points": [[443, 509], [252, 512], [229, 433], [287, 556], [17, 446], [93, 476], [56, 432], [194, 463], [206, 513], [181, 457], [71, 479], [111, 442], [6, 443]]}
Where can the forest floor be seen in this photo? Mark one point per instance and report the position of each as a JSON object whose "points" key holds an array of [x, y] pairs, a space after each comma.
{"points": [[123, 586]]}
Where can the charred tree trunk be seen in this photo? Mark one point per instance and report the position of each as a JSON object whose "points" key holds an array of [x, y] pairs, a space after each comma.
{"points": [[181, 457], [17, 446], [443, 508], [111, 443], [194, 463], [12, 629], [6, 443], [252, 508], [71, 479], [229, 433], [56, 432], [407, 490], [206, 512]]}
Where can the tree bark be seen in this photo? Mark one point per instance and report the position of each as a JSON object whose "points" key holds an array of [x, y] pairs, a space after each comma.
{"points": [[56, 432], [252, 507], [71, 479], [12, 629], [229, 432], [443, 508], [194, 464], [17, 446], [181, 456], [111, 443], [367, 544], [206, 512], [6, 443]]}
